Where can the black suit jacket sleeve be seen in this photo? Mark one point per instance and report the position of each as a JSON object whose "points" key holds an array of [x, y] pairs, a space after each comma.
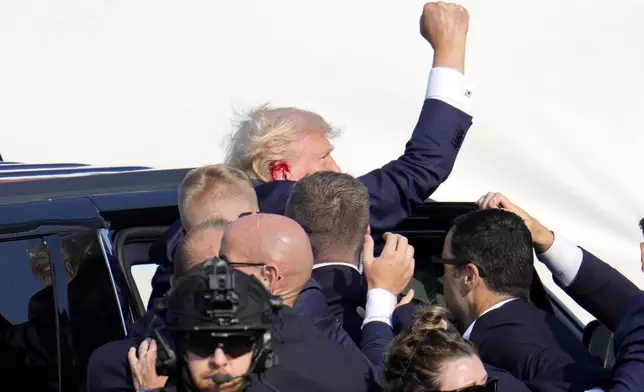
{"points": [[427, 162], [108, 369], [601, 290], [376, 337], [628, 372]]}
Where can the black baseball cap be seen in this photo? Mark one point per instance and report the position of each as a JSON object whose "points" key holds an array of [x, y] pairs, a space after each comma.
{"points": [[216, 298]]}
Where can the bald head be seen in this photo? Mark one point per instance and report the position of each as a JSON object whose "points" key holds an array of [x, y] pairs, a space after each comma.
{"points": [[275, 241], [200, 244]]}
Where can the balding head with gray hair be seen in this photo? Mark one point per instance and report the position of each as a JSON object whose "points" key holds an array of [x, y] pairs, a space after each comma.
{"points": [[295, 138]]}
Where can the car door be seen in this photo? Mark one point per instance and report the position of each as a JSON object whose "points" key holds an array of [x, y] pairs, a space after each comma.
{"points": [[58, 301]]}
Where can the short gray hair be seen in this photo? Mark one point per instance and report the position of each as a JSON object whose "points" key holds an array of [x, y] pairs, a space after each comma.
{"points": [[266, 134], [334, 207]]}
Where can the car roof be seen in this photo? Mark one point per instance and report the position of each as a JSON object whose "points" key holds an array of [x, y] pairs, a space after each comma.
{"points": [[21, 183]]}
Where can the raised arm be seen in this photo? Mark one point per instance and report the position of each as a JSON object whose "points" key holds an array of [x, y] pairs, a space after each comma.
{"points": [[444, 120]]}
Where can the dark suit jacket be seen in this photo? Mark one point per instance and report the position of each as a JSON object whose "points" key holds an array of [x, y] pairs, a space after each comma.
{"points": [[427, 162], [375, 337], [108, 369], [308, 361], [628, 343], [601, 290], [536, 348], [617, 303], [345, 290]]}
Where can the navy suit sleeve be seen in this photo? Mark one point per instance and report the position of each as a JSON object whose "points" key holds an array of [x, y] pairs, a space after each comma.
{"points": [[601, 290], [404, 316], [427, 162], [311, 304], [108, 369], [376, 336], [628, 372]]}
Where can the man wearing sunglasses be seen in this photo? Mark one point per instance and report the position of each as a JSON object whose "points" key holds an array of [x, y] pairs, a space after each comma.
{"points": [[128, 364], [277, 251], [597, 287], [277, 147], [486, 270], [220, 321]]}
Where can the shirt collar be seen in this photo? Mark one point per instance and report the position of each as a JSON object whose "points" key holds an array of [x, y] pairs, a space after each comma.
{"points": [[469, 329], [326, 264]]}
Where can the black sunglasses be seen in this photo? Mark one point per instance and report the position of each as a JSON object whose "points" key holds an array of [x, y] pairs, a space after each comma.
{"points": [[490, 386], [224, 258], [241, 264], [204, 344], [438, 266]]}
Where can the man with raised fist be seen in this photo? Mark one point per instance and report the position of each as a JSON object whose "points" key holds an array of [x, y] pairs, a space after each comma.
{"points": [[278, 146]]}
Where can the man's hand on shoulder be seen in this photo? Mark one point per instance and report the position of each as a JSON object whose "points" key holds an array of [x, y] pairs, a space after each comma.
{"points": [[445, 27]]}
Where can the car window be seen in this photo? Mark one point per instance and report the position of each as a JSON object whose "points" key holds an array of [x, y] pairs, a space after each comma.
{"points": [[95, 317], [57, 305], [143, 274], [28, 341]]}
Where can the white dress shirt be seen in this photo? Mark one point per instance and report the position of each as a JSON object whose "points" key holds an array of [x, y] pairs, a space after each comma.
{"points": [[449, 85], [563, 259]]}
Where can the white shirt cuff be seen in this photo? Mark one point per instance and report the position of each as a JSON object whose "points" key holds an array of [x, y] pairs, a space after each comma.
{"points": [[563, 259], [449, 86], [380, 306]]}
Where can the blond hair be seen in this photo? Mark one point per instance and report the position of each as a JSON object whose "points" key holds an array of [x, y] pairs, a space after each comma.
{"points": [[266, 135], [212, 183]]}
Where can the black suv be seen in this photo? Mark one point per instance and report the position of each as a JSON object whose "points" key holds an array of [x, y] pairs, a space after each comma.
{"points": [[75, 268]]}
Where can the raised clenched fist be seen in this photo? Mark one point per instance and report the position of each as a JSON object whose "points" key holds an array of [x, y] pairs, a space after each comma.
{"points": [[445, 26]]}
